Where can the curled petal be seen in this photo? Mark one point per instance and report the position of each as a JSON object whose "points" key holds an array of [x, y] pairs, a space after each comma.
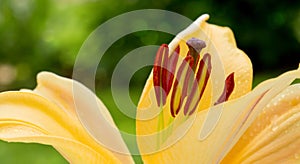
{"points": [[77, 100], [274, 137], [25, 117], [59, 90], [72, 150], [51, 108]]}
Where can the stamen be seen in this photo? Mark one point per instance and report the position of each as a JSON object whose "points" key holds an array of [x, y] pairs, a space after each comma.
{"points": [[191, 78], [199, 85], [187, 78], [157, 73], [178, 95], [228, 89], [173, 59], [163, 72]]}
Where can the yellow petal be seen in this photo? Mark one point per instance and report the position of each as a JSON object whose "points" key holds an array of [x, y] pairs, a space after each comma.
{"points": [[27, 114], [73, 151], [191, 143], [274, 137], [77, 100], [32, 108], [59, 90]]}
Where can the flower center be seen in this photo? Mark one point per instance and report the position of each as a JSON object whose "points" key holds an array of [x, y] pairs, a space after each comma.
{"points": [[191, 78]]}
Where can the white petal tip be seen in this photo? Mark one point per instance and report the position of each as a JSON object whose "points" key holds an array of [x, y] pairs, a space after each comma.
{"points": [[26, 90], [44, 74], [202, 18], [48, 76]]}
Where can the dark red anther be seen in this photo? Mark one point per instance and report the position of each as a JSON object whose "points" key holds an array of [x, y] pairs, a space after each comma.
{"points": [[163, 72], [199, 85], [171, 67], [157, 72], [174, 109], [228, 89], [192, 77], [206, 61], [187, 78], [176, 102]]}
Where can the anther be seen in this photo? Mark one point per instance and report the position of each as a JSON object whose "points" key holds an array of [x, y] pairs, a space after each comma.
{"points": [[199, 85], [228, 89], [180, 92], [195, 46], [163, 72]]}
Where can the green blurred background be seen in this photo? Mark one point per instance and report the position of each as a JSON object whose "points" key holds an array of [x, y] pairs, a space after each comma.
{"points": [[38, 35]]}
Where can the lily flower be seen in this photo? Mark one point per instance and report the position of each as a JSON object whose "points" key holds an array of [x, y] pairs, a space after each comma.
{"points": [[190, 119], [197, 107]]}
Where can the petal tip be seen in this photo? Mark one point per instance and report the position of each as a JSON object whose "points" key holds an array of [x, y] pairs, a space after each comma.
{"points": [[44, 74], [202, 18]]}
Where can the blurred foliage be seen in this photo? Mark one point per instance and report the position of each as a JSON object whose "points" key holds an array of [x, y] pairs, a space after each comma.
{"points": [[46, 35], [38, 35], [20, 153]]}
